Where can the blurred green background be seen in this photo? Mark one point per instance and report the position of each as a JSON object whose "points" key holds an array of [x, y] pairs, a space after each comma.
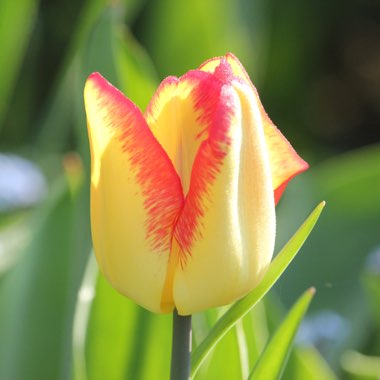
{"points": [[317, 68]]}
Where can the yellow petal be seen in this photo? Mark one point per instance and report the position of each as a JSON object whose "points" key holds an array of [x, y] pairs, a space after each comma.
{"points": [[178, 116], [284, 161], [136, 196], [234, 220]]}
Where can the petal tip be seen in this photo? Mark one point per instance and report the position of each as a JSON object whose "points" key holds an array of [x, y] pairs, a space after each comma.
{"points": [[94, 78]]}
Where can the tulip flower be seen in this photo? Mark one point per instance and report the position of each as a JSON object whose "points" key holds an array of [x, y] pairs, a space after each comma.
{"points": [[183, 196]]}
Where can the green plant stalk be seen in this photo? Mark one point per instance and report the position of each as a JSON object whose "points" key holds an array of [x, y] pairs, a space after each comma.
{"points": [[181, 347]]}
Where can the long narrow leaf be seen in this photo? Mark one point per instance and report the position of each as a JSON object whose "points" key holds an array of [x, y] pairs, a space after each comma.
{"points": [[16, 22], [274, 357], [307, 363], [85, 298], [39, 292], [243, 306]]}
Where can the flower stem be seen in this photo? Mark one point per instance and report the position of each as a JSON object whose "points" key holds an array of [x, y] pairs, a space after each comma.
{"points": [[181, 347]]}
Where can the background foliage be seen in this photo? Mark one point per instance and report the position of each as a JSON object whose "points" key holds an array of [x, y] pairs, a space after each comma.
{"points": [[316, 66]]}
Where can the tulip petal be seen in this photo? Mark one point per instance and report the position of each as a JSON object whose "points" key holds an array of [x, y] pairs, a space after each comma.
{"points": [[227, 225], [136, 196], [178, 117], [284, 161]]}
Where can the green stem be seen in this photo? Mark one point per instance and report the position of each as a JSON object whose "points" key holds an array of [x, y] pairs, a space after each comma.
{"points": [[181, 347]]}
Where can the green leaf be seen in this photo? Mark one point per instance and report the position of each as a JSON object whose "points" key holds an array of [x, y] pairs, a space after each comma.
{"points": [[14, 238], [360, 367], [350, 230], [197, 36], [85, 298], [16, 21], [241, 338], [109, 328], [242, 307], [371, 281], [114, 338], [307, 363], [57, 117], [95, 36], [113, 52], [257, 331], [39, 292], [274, 357], [229, 358], [136, 73]]}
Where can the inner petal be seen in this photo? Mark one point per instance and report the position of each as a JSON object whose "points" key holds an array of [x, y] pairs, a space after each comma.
{"points": [[179, 116]]}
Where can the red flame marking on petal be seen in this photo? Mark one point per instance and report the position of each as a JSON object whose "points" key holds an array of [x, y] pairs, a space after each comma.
{"points": [[160, 185], [212, 101]]}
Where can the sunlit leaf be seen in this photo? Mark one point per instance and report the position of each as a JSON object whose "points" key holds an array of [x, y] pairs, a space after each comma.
{"points": [[85, 298], [228, 359], [16, 21], [307, 363], [110, 333], [137, 76], [114, 338], [39, 292], [361, 367], [371, 280], [14, 238], [257, 332], [274, 357]]}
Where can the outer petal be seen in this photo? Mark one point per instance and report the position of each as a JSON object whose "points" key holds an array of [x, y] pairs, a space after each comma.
{"points": [[135, 196], [284, 161], [234, 219]]}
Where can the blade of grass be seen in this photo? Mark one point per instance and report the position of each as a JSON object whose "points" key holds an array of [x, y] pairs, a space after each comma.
{"points": [[272, 361], [243, 306]]}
